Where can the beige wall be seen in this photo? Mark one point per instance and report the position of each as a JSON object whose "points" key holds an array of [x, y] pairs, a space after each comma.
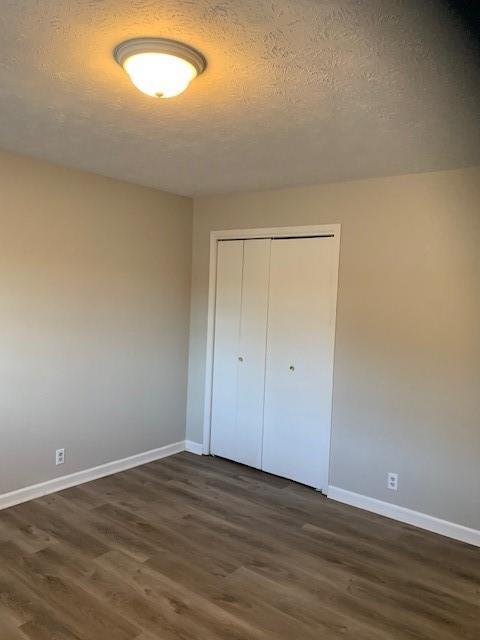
{"points": [[94, 311], [407, 361], [94, 305]]}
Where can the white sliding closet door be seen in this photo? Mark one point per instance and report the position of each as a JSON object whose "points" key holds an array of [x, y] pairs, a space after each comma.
{"points": [[252, 348], [298, 392], [227, 331], [239, 352]]}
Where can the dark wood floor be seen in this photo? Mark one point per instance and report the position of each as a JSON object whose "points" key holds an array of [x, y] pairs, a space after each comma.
{"points": [[200, 548]]}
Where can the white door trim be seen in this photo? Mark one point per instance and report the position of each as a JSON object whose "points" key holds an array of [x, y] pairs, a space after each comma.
{"points": [[245, 234]]}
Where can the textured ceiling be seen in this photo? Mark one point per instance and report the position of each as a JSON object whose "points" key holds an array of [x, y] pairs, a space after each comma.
{"points": [[296, 91]]}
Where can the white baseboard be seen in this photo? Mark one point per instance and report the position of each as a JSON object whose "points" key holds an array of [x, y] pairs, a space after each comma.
{"points": [[416, 518], [396, 512], [64, 482], [194, 447]]}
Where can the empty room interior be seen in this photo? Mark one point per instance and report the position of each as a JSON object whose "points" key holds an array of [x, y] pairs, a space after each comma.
{"points": [[239, 320]]}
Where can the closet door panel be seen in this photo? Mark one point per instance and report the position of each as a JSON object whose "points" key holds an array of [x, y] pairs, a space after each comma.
{"points": [[299, 369], [225, 355], [252, 347]]}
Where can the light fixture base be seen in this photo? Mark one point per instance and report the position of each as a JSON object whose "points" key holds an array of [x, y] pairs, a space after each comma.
{"points": [[134, 46]]}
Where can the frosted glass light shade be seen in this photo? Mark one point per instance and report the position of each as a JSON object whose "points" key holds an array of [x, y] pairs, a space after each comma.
{"points": [[159, 67]]}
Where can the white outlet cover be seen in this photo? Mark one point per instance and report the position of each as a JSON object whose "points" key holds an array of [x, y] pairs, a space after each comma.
{"points": [[392, 481]]}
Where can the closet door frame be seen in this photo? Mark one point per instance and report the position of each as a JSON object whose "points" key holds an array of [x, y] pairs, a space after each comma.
{"points": [[329, 230]]}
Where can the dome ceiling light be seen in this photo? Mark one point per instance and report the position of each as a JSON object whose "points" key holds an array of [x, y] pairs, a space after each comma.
{"points": [[159, 67]]}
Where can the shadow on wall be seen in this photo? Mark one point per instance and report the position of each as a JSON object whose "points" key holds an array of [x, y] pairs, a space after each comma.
{"points": [[468, 14]]}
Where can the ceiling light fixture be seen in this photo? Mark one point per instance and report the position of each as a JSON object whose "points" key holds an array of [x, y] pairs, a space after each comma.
{"points": [[159, 67]]}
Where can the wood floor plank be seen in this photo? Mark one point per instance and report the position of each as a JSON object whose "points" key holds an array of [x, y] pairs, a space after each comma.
{"points": [[47, 628], [72, 605], [204, 617], [9, 631], [200, 548]]}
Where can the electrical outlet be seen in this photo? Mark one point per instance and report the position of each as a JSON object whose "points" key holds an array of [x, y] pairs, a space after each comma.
{"points": [[59, 456], [392, 481]]}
